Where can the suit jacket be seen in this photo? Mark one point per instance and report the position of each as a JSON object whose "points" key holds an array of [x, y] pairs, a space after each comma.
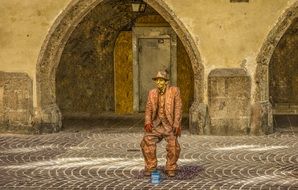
{"points": [[173, 106]]}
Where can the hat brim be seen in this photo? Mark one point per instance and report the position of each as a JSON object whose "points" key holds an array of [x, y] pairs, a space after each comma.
{"points": [[154, 78]]}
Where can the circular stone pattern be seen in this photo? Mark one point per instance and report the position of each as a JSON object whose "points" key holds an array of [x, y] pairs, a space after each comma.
{"points": [[107, 160]]}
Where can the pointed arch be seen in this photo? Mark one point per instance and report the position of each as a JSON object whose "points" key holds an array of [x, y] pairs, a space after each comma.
{"points": [[265, 54], [60, 32], [262, 108]]}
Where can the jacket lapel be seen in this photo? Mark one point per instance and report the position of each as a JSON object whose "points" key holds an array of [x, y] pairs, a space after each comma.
{"points": [[154, 103], [168, 103]]}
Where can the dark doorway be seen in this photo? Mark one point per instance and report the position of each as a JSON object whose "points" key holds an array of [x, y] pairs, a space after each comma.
{"points": [[87, 71], [283, 80]]}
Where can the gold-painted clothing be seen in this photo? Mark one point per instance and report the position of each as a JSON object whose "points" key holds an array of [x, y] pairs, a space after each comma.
{"points": [[164, 113]]}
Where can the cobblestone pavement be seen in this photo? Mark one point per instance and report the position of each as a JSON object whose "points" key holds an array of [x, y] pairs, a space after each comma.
{"points": [[113, 160]]}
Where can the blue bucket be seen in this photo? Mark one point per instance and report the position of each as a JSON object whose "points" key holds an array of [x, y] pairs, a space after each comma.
{"points": [[155, 177]]}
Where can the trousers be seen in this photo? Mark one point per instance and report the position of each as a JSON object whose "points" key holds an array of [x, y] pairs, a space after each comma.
{"points": [[148, 145]]}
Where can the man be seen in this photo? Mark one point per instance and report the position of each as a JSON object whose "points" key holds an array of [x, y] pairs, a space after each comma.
{"points": [[162, 120]]}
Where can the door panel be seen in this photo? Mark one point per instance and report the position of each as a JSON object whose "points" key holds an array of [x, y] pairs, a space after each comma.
{"points": [[123, 73], [154, 55]]}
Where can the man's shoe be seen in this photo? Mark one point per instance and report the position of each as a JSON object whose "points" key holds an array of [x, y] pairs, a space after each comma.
{"points": [[171, 173], [148, 172]]}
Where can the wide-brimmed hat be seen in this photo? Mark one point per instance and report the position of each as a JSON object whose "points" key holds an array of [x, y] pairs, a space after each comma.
{"points": [[161, 75]]}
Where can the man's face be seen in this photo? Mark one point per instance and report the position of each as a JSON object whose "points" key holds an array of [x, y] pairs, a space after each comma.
{"points": [[161, 83]]}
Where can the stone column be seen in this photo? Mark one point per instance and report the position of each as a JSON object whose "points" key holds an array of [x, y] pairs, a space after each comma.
{"points": [[261, 118], [199, 120], [48, 119]]}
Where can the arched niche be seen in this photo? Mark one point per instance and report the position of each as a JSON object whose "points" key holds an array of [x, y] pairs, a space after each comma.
{"points": [[53, 46], [262, 109]]}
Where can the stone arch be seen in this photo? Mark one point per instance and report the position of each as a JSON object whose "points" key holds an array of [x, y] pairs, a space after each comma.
{"points": [[52, 48], [261, 95], [264, 56]]}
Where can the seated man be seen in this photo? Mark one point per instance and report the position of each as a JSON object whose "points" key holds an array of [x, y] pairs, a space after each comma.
{"points": [[162, 120]]}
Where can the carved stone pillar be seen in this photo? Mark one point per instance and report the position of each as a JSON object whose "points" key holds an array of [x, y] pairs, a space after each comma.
{"points": [[261, 118], [199, 120], [49, 119]]}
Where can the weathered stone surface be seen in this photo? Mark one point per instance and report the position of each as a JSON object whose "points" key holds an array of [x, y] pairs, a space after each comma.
{"points": [[267, 87], [261, 118], [264, 57], [199, 120], [48, 120], [283, 69], [16, 111], [229, 101]]}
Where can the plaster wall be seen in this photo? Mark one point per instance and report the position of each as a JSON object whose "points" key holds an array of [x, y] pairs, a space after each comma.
{"points": [[24, 25], [229, 35], [226, 34]]}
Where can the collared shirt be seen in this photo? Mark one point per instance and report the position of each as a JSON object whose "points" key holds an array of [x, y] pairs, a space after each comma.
{"points": [[161, 106], [161, 110]]}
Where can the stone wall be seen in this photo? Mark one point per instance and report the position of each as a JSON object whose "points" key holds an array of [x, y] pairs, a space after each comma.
{"points": [[229, 101], [16, 105]]}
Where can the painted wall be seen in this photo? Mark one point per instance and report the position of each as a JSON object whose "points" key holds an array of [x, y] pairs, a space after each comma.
{"points": [[227, 34], [24, 25]]}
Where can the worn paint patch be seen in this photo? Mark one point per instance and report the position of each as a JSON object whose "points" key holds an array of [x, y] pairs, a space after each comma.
{"points": [[123, 73]]}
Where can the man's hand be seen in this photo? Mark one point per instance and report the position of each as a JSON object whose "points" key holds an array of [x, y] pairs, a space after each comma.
{"points": [[177, 131], [148, 128]]}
